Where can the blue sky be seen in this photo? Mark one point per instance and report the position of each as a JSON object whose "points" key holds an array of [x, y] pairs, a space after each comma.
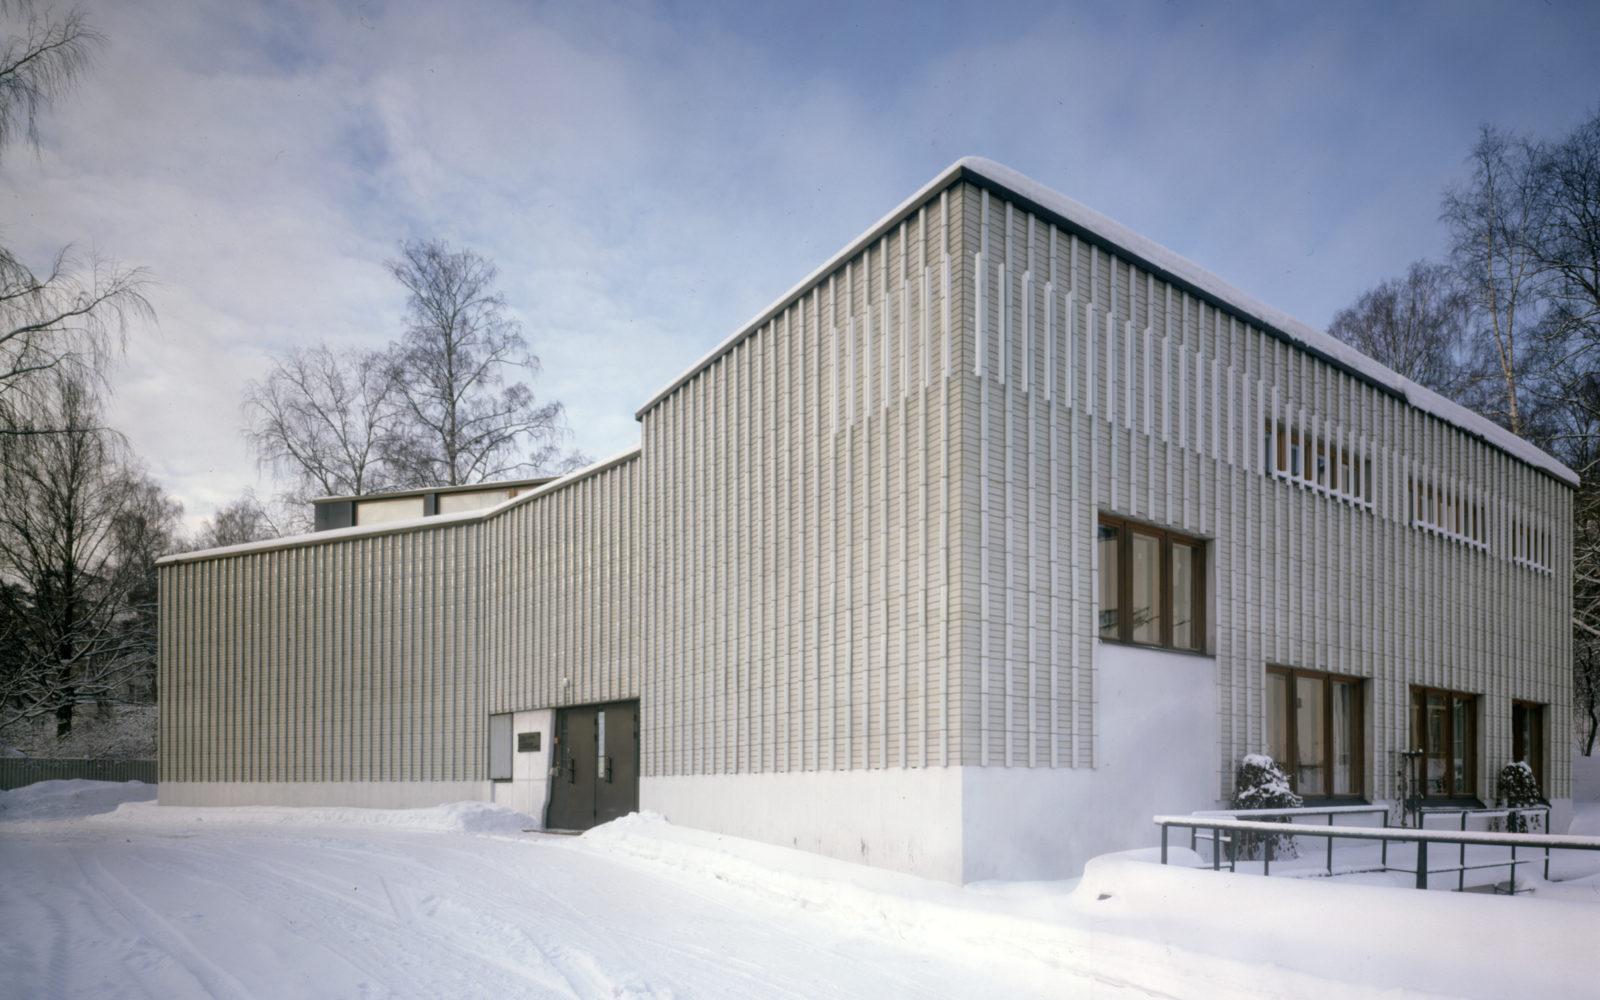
{"points": [[648, 176]]}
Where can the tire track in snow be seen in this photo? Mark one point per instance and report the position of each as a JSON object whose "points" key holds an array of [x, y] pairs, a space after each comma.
{"points": [[449, 914], [212, 978], [589, 924], [508, 903], [260, 881]]}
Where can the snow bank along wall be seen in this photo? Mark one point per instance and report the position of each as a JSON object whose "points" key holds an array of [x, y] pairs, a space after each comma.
{"points": [[850, 573]]}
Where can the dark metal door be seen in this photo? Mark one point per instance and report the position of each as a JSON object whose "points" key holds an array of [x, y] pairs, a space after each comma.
{"points": [[572, 786], [596, 765], [617, 791]]}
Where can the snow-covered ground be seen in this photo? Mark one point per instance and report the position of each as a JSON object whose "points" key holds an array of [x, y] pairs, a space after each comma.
{"points": [[102, 893]]}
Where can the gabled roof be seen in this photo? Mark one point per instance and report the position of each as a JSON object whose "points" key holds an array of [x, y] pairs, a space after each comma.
{"points": [[1167, 265]]}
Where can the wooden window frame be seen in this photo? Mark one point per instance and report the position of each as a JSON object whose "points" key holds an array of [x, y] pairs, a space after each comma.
{"points": [[1419, 733], [1197, 599], [1358, 731], [1537, 753]]}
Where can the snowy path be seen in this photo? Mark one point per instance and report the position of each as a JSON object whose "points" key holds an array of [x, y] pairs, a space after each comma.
{"points": [[174, 903], [267, 912]]}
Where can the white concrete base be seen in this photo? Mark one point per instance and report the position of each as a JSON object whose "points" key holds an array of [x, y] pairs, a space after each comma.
{"points": [[1157, 752], [358, 794], [909, 820], [528, 790]]}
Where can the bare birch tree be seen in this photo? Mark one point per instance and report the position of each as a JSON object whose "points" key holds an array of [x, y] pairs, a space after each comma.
{"points": [[1492, 219], [69, 320], [248, 519], [1525, 250], [42, 56], [1566, 246], [321, 418], [459, 370], [71, 315], [1415, 324]]}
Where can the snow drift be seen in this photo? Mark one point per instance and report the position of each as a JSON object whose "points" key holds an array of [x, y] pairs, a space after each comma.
{"points": [[70, 799]]}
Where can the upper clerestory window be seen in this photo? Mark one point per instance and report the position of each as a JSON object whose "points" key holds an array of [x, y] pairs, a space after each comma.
{"points": [[1331, 465]]}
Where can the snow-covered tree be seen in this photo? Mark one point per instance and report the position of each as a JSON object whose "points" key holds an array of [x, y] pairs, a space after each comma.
{"points": [[80, 532], [1260, 783]]}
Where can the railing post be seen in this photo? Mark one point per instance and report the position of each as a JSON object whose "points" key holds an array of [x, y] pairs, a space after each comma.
{"points": [[1163, 843], [1513, 869], [1330, 847], [1461, 876], [1547, 856], [1216, 849], [1422, 863], [1384, 855], [1266, 865]]}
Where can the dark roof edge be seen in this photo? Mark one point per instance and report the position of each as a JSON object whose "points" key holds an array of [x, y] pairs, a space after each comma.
{"points": [[1089, 235]]}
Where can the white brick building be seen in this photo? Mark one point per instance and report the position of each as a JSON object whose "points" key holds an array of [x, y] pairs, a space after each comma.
{"points": [[1000, 532]]}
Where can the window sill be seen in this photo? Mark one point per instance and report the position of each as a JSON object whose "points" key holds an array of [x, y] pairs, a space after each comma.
{"points": [[1450, 803], [1123, 644]]}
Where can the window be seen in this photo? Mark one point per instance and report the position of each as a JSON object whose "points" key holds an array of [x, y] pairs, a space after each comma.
{"points": [[1314, 730], [1530, 546], [1185, 591], [1443, 724], [500, 747], [1152, 586], [1145, 569], [1527, 737], [1310, 458], [1110, 573], [1451, 513]]}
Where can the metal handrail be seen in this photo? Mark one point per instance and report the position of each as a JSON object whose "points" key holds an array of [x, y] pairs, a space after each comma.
{"points": [[1487, 812], [1422, 838], [1296, 811], [1291, 812]]}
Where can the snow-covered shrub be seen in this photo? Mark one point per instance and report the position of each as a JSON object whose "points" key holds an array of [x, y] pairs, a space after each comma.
{"points": [[1516, 787], [1261, 784]]}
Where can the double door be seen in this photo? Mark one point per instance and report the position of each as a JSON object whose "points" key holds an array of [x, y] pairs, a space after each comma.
{"points": [[595, 777]]}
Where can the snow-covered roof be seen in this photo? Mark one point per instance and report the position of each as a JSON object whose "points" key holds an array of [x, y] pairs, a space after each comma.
{"points": [[396, 527], [489, 487], [1167, 265]]}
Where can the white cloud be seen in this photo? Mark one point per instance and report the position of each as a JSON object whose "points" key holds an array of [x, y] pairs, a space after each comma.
{"points": [[647, 179]]}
